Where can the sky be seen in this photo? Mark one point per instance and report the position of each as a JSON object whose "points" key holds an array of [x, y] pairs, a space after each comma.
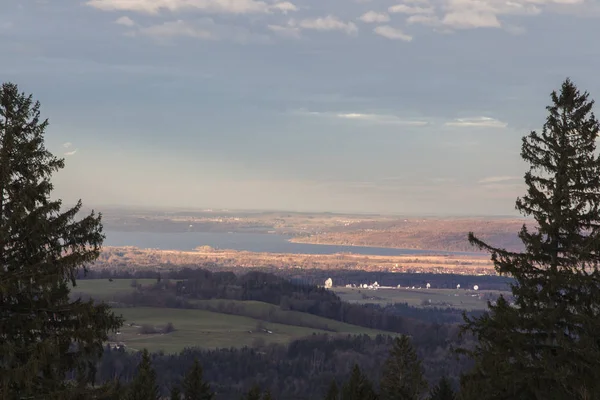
{"points": [[383, 106]]}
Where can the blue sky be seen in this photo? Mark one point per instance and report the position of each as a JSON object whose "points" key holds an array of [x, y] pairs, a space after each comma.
{"points": [[410, 107]]}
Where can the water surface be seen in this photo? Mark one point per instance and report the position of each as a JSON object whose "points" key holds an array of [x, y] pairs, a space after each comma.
{"points": [[255, 242]]}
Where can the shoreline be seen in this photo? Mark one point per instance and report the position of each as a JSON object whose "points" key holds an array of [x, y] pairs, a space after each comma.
{"points": [[434, 252], [138, 258]]}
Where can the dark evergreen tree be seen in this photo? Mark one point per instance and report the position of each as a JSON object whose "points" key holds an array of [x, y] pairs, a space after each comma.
{"points": [[442, 391], [194, 387], [402, 375], [547, 345], [175, 393], [333, 393], [253, 394], [143, 386], [267, 395], [49, 343], [358, 387]]}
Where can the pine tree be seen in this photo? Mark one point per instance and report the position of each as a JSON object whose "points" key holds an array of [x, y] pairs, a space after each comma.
{"points": [[358, 387], [442, 391], [175, 393], [333, 393], [547, 345], [402, 375], [254, 393], [194, 387], [49, 344], [143, 386], [267, 395]]}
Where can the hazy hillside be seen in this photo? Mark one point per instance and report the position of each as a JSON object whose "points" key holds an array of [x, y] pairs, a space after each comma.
{"points": [[426, 234]]}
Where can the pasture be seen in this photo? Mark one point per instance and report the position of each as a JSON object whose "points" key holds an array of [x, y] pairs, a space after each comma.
{"points": [[208, 330], [214, 325], [456, 298], [103, 289]]}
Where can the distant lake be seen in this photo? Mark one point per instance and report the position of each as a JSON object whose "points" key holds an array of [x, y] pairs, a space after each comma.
{"points": [[255, 242]]}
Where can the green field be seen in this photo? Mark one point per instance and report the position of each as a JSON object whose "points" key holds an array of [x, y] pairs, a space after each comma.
{"points": [[209, 330], [103, 289], [462, 299], [270, 312]]}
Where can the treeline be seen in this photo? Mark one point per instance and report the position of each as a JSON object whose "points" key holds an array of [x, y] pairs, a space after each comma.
{"points": [[433, 315], [304, 369], [340, 277]]}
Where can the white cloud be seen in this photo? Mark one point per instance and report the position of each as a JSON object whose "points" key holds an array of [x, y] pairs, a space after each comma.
{"points": [[177, 28], [284, 7], [67, 145], [125, 21], [471, 14], [285, 30], [404, 9], [381, 118], [431, 20], [481, 122], [367, 117], [200, 29], [328, 23], [211, 6], [497, 179], [392, 33], [372, 16], [70, 153], [471, 19]]}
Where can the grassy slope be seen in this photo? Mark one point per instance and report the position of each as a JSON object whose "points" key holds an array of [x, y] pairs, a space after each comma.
{"points": [[258, 309], [200, 328], [102, 289], [205, 328]]}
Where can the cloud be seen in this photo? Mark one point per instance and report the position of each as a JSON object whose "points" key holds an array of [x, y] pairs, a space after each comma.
{"points": [[404, 9], [200, 29], [328, 23], [285, 30], [473, 14], [67, 145], [382, 119], [471, 19], [367, 117], [125, 21], [70, 153], [431, 20], [284, 7], [372, 17], [392, 33], [498, 179], [480, 122], [177, 28], [209, 6]]}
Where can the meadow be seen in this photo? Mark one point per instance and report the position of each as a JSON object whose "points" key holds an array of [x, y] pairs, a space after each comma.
{"points": [[455, 298], [105, 290], [207, 328]]}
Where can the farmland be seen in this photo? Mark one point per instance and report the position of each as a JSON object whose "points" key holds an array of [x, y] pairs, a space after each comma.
{"points": [[418, 297], [105, 290], [145, 326], [208, 330]]}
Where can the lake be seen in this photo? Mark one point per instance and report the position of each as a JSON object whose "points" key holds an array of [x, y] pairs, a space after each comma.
{"points": [[255, 242]]}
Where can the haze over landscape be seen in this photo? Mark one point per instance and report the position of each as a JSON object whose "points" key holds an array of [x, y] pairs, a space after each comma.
{"points": [[351, 106]]}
